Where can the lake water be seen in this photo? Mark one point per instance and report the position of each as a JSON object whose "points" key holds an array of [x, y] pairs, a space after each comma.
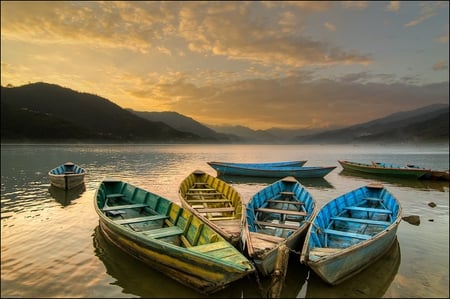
{"points": [[51, 246]]}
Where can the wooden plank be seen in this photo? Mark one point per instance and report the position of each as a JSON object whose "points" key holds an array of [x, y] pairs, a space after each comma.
{"points": [[130, 206], [210, 247], [278, 211], [141, 219], [164, 232], [285, 201], [266, 237], [280, 225], [322, 251], [286, 193], [372, 198], [216, 210], [359, 220], [346, 234], [201, 189], [203, 193], [211, 200], [364, 209]]}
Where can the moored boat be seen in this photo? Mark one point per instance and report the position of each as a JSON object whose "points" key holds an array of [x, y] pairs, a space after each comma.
{"points": [[271, 171], [351, 232], [440, 175], [385, 169], [167, 237], [215, 202], [67, 176], [277, 215]]}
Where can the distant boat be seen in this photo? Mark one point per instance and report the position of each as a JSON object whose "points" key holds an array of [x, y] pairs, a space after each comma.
{"points": [[270, 171], [434, 174], [386, 169], [167, 237], [67, 176], [215, 202], [351, 232], [279, 214], [261, 164]]}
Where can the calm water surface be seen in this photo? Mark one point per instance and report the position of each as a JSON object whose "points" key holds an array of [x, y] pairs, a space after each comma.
{"points": [[51, 246]]}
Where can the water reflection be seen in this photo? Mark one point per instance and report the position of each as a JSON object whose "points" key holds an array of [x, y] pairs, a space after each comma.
{"points": [[441, 186], [320, 183], [372, 282], [64, 197], [138, 279]]}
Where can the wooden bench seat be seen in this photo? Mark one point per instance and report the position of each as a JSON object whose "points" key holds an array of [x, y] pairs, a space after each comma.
{"points": [[130, 206], [291, 202], [278, 211], [286, 193], [373, 198], [164, 232], [359, 220], [365, 209], [346, 234], [211, 200], [280, 225], [215, 210], [201, 189], [141, 219], [203, 193]]}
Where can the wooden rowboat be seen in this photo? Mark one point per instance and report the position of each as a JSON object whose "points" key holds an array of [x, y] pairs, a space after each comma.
{"points": [[167, 237], [294, 163], [386, 169], [67, 176], [270, 171], [351, 232], [215, 202], [279, 214], [440, 175]]}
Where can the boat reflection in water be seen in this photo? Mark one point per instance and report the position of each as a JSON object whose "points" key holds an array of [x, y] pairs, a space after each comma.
{"points": [[65, 197], [399, 182], [307, 182], [137, 279], [372, 282]]}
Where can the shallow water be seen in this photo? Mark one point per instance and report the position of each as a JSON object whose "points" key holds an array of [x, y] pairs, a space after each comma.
{"points": [[51, 246]]}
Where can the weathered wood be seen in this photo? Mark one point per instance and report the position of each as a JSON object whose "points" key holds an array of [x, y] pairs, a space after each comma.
{"points": [[359, 220], [203, 193], [346, 234], [291, 202], [164, 232], [364, 209], [201, 189], [279, 211], [212, 200], [130, 206], [141, 219], [280, 225], [216, 210], [279, 274]]}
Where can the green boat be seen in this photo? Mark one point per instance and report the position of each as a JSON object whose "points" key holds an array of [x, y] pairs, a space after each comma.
{"points": [[167, 237], [386, 169]]}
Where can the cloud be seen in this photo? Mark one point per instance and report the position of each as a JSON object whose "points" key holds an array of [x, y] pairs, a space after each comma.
{"points": [[355, 4], [393, 6], [429, 9], [330, 26], [440, 65]]}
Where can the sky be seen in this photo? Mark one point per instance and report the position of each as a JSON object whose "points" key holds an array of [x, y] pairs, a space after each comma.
{"points": [[292, 65]]}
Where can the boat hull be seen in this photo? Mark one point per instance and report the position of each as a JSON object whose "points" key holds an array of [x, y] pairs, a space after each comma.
{"points": [[271, 171], [273, 224], [196, 256], [67, 176], [385, 171], [339, 243]]}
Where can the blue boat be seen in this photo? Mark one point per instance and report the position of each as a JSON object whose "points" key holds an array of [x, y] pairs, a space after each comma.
{"points": [[351, 232], [279, 214], [270, 171]]}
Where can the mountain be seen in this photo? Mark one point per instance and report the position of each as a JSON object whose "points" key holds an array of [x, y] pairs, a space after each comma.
{"points": [[47, 112], [185, 124], [426, 124]]}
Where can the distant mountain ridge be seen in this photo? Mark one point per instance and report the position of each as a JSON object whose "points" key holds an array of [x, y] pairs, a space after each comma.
{"points": [[42, 112]]}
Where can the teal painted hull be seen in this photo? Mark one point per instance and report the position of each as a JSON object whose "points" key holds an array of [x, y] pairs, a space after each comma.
{"points": [[351, 232], [167, 237]]}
